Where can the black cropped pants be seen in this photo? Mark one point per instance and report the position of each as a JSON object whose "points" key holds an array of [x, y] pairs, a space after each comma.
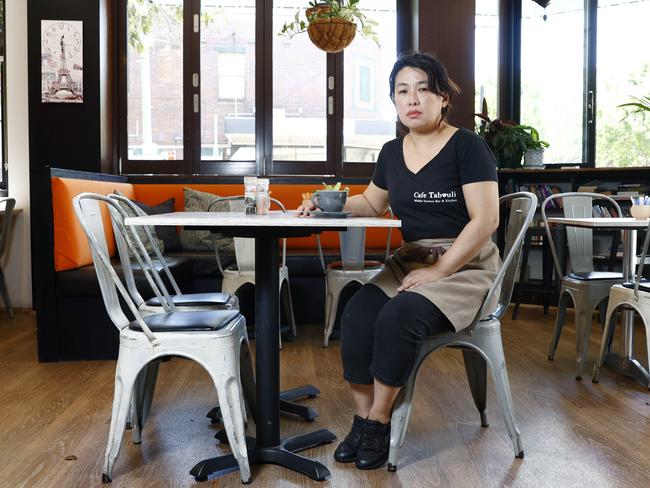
{"points": [[380, 336]]}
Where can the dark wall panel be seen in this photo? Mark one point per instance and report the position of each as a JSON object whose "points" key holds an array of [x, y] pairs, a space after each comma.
{"points": [[65, 135], [446, 30]]}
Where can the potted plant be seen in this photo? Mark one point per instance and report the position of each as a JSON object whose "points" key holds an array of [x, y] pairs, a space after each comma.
{"points": [[510, 141], [332, 24]]}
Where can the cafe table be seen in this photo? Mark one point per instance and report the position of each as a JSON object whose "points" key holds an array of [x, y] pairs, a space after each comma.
{"points": [[268, 447], [623, 362]]}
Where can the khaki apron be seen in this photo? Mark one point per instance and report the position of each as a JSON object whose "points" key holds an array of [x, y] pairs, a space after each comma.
{"points": [[460, 295]]}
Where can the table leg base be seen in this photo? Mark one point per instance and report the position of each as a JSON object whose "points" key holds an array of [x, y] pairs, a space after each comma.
{"points": [[629, 367], [287, 407], [282, 455]]}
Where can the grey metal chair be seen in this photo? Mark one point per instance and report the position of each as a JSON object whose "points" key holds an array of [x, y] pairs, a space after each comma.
{"points": [[353, 267], [584, 286], [633, 295], [132, 248], [243, 271], [10, 203], [481, 341], [212, 338]]}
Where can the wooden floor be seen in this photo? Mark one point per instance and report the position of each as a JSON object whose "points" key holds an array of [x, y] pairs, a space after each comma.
{"points": [[54, 420]]}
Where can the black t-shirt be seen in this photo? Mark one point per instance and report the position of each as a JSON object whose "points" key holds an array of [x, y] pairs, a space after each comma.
{"points": [[430, 203]]}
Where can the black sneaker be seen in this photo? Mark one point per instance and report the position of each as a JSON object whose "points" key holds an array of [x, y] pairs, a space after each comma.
{"points": [[374, 445], [346, 452]]}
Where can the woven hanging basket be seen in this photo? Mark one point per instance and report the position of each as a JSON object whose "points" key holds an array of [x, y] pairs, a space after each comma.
{"points": [[331, 35]]}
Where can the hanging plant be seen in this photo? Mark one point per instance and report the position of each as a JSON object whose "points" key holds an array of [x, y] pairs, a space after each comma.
{"points": [[332, 24]]}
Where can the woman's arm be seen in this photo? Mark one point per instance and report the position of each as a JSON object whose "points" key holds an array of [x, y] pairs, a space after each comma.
{"points": [[482, 200], [373, 202]]}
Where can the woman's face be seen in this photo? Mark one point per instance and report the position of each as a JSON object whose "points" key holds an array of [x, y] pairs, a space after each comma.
{"points": [[418, 108]]}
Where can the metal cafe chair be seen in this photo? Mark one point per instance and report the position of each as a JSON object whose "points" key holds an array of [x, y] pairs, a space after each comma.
{"points": [[633, 295], [212, 338], [243, 270], [584, 286], [134, 254], [480, 342], [353, 267]]}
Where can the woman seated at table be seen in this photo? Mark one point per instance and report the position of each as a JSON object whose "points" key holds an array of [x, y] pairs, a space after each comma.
{"points": [[441, 181]]}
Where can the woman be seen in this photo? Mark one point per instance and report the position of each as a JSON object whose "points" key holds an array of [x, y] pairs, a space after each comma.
{"points": [[441, 182]]}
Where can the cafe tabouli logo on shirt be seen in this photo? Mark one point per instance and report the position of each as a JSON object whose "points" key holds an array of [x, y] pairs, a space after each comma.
{"points": [[435, 196]]}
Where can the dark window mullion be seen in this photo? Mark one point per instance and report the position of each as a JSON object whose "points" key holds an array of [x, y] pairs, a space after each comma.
{"points": [[264, 87], [589, 95], [334, 75], [509, 77], [191, 65]]}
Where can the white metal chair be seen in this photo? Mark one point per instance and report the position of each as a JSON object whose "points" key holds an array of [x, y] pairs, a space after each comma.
{"points": [[633, 295], [133, 253], [4, 239], [481, 341], [584, 286], [212, 338], [243, 271], [353, 267]]}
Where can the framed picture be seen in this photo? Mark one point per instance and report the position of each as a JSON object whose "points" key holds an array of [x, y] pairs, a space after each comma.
{"points": [[62, 61]]}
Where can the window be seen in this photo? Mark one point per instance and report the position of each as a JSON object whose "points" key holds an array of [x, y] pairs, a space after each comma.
{"points": [[155, 79], [369, 114], [623, 72], [552, 53], [227, 80], [486, 60], [299, 92], [211, 88]]}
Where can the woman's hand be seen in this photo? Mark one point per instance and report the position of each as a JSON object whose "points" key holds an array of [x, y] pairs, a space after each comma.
{"points": [[306, 208], [420, 276]]}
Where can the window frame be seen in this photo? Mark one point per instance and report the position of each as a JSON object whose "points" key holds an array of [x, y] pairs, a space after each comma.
{"points": [[264, 164], [4, 163]]}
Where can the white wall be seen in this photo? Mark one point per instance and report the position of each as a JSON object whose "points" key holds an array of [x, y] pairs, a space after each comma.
{"points": [[17, 261]]}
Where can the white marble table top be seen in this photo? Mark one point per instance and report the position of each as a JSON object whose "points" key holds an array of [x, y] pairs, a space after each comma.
{"points": [[599, 222], [274, 219]]}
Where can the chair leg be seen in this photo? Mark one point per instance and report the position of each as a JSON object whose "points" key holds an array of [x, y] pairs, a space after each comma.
{"points": [[584, 314], [400, 416], [493, 348], [608, 334], [476, 370], [559, 323], [285, 293], [333, 300], [5, 294], [233, 422], [124, 381], [143, 391], [246, 370]]}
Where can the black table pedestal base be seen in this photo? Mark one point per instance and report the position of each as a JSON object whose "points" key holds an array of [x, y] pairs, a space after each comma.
{"points": [[629, 367], [287, 407], [282, 455]]}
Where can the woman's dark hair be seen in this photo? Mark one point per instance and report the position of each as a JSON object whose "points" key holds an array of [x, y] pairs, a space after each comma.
{"points": [[439, 81]]}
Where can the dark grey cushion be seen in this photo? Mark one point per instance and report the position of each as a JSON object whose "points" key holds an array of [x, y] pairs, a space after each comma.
{"points": [[201, 240], [167, 234], [187, 321]]}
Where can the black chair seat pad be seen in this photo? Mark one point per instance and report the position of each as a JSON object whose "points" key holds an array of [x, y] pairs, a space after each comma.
{"points": [[597, 275], [188, 321], [644, 285], [194, 300]]}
